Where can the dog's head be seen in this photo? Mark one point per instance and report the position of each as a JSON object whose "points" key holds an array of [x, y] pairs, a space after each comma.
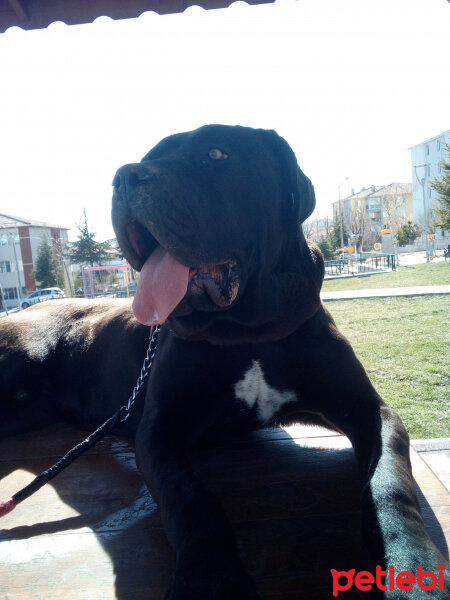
{"points": [[212, 219]]}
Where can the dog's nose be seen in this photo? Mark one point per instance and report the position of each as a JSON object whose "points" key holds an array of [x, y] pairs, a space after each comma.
{"points": [[132, 175]]}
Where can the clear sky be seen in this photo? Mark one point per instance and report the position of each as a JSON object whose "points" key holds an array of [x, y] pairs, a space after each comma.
{"points": [[350, 84]]}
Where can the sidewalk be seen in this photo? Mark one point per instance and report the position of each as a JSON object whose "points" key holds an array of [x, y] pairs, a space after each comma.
{"points": [[423, 290], [418, 258]]}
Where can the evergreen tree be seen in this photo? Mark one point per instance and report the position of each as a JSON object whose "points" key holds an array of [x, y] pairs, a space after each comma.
{"points": [[334, 237], [325, 247], [442, 187], [45, 271], [406, 234], [86, 251]]}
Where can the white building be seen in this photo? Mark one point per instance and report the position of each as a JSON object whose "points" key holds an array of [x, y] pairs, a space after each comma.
{"points": [[19, 243], [426, 159]]}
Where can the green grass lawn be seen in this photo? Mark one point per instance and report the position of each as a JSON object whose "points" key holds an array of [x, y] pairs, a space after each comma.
{"points": [[426, 274], [404, 345]]}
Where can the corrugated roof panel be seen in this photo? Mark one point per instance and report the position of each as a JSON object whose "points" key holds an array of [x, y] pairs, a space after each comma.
{"points": [[38, 14]]}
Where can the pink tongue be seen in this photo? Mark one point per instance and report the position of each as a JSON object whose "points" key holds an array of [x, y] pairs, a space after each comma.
{"points": [[162, 285]]}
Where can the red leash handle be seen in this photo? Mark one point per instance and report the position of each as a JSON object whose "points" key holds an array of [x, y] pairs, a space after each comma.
{"points": [[7, 506]]}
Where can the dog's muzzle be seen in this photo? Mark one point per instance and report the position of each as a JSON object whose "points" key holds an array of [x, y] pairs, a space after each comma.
{"points": [[168, 281]]}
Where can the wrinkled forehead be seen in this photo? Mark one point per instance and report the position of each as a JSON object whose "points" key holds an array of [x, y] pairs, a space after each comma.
{"points": [[231, 139]]}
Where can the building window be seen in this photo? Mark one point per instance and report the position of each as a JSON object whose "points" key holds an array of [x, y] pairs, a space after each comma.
{"points": [[429, 191], [428, 149], [428, 170], [400, 200], [438, 144], [5, 266], [9, 293], [401, 212], [374, 204], [6, 237]]}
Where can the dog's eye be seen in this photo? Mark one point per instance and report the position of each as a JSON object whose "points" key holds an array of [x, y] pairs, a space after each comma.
{"points": [[217, 154]]}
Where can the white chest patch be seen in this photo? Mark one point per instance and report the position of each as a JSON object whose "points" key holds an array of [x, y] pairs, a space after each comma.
{"points": [[253, 389]]}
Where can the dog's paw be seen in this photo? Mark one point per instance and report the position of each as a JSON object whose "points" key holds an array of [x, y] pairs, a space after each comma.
{"points": [[420, 573], [204, 582]]}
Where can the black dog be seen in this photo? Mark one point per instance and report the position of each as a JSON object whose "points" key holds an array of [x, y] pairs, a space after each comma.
{"points": [[212, 218]]}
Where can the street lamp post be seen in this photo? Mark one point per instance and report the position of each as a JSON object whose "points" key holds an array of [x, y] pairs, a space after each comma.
{"points": [[341, 216], [10, 237], [2, 296], [425, 216]]}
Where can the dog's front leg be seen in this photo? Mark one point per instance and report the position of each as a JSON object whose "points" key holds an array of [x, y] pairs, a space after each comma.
{"points": [[336, 386], [207, 566], [393, 526]]}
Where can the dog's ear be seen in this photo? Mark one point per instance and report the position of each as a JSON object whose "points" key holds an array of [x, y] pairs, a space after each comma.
{"points": [[300, 187]]}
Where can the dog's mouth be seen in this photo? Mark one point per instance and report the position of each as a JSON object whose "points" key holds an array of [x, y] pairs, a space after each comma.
{"points": [[169, 286]]}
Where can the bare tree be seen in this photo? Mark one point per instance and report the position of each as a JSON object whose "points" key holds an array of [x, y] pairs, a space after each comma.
{"points": [[60, 249], [394, 213], [308, 228], [358, 224]]}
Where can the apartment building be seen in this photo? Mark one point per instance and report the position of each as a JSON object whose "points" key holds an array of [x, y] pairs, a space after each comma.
{"points": [[426, 159], [19, 242], [426, 166], [372, 209]]}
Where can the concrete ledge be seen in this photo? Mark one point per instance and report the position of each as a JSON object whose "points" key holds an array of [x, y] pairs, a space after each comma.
{"points": [[437, 444], [424, 290]]}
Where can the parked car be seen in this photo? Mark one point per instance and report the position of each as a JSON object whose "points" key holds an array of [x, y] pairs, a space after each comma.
{"points": [[41, 296]]}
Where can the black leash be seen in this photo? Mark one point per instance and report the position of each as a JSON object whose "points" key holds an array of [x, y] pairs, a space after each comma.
{"points": [[119, 416]]}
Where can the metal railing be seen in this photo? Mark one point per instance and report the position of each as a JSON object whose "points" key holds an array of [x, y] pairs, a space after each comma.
{"points": [[122, 293], [366, 262]]}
